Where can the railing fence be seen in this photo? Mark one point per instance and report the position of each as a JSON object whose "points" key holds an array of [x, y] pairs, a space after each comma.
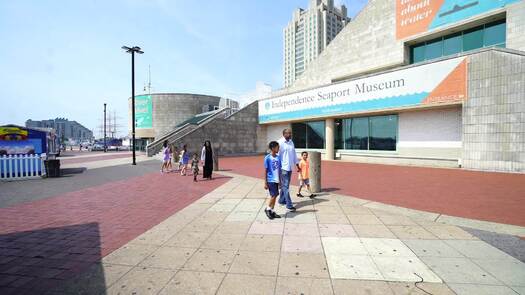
{"points": [[13, 167]]}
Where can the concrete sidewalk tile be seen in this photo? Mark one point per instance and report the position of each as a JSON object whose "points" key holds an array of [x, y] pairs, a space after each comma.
{"points": [[220, 207], [332, 218], [153, 238], [193, 283], [142, 280], [329, 210], [236, 284], [301, 229], [352, 246], [303, 265], [404, 288], [356, 210], [363, 219], [256, 263], [231, 227], [311, 244], [261, 216], [396, 220], [520, 290], [301, 216], [353, 267], [361, 287], [210, 260], [242, 216], [262, 243], [510, 271], [477, 249], [459, 270], [96, 278], [403, 269], [303, 286], [435, 248], [386, 247], [249, 205], [373, 231], [168, 257], [337, 230], [224, 241], [411, 232], [469, 289], [202, 226], [188, 239], [266, 228], [129, 254], [449, 232]]}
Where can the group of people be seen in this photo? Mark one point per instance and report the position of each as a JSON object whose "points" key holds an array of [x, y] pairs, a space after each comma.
{"points": [[171, 154], [278, 166]]}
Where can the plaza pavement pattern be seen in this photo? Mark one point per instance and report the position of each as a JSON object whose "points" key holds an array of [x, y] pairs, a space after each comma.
{"points": [[224, 244]]}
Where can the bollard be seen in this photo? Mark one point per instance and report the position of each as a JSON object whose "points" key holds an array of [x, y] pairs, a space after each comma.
{"points": [[215, 161], [315, 171]]}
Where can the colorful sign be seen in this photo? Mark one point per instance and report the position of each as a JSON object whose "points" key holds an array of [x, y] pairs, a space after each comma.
{"points": [[143, 111], [419, 16], [13, 133], [442, 82]]}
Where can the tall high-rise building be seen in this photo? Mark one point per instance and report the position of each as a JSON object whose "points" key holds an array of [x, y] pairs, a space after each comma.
{"points": [[309, 32]]}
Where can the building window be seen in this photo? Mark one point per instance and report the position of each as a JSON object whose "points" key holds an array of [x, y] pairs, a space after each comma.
{"points": [[491, 34], [367, 133], [309, 135]]}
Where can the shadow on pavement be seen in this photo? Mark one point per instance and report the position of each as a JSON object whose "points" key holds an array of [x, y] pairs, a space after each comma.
{"points": [[72, 171], [42, 260]]}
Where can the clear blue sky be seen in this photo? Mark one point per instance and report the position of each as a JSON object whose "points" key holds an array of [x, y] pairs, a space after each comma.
{"points": [[63, 58]]}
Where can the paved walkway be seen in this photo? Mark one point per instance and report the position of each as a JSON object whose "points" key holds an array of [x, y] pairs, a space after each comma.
{"points": [[45, 241], [146, 233], [224, 244], [495, 197]]}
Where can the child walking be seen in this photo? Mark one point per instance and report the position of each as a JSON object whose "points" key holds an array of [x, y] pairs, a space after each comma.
{"points": [[176, 156], [272, 169], [165, 156], [195, 166], [184, 159], [304, 177], [170, 152]]}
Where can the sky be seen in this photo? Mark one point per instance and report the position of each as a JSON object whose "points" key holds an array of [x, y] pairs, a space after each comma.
{"points": [[64, 58]]}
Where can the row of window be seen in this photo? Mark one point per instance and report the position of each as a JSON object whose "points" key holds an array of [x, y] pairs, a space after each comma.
{"points": [[363, 133], [491, 34]]}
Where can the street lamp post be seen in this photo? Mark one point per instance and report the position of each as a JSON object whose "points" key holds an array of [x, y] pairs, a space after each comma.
{"points": [[132, 50], [105, 149]]}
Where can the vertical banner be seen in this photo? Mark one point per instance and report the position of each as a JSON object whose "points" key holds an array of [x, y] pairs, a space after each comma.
{"points": [[143, 111], [419, 16]]}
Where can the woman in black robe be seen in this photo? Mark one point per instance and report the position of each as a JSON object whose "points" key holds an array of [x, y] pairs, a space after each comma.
{"points": [[207, 160]]}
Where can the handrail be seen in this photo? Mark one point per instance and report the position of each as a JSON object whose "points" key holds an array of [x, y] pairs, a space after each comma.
{"points": [[154, 146]]}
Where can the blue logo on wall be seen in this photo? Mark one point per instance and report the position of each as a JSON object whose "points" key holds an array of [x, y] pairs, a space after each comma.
{"points": [[267, 105]]}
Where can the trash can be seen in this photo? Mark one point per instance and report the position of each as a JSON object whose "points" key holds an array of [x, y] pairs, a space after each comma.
{"points": [[52, 168]]}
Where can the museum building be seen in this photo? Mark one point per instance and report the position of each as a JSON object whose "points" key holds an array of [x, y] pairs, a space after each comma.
{"points": [[419, 82]]}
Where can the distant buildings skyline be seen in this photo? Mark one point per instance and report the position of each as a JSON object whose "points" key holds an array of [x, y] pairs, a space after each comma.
{"points": [[64, 128], [308, 34]]}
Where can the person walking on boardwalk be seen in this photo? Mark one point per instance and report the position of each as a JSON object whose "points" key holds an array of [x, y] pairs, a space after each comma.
{"points": [[207, 160], [288, 159]]}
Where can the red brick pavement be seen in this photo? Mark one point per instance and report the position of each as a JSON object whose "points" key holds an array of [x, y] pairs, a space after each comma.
{"points": [[497, 197], [45, 241]]}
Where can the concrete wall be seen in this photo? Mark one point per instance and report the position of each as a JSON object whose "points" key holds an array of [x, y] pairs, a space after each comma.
{"points": [[171, 109], [494, 114], [236, 134], [516, 26], [430, 133]]}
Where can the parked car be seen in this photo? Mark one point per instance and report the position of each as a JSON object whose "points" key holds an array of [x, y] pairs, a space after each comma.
{"points": [[97, 147]]}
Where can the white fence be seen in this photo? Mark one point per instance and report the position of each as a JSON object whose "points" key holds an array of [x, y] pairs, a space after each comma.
{"points": [[13, 167]]}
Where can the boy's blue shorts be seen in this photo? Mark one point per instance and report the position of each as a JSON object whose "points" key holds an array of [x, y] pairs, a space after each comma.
{"points": [[273, 188]]}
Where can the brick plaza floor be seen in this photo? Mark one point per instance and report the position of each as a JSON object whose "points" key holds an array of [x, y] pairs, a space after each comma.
{"points": [[123, 230]]}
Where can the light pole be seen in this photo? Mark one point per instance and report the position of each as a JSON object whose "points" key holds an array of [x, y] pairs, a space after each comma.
{"points": [[105, 149], [132, 50]]}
